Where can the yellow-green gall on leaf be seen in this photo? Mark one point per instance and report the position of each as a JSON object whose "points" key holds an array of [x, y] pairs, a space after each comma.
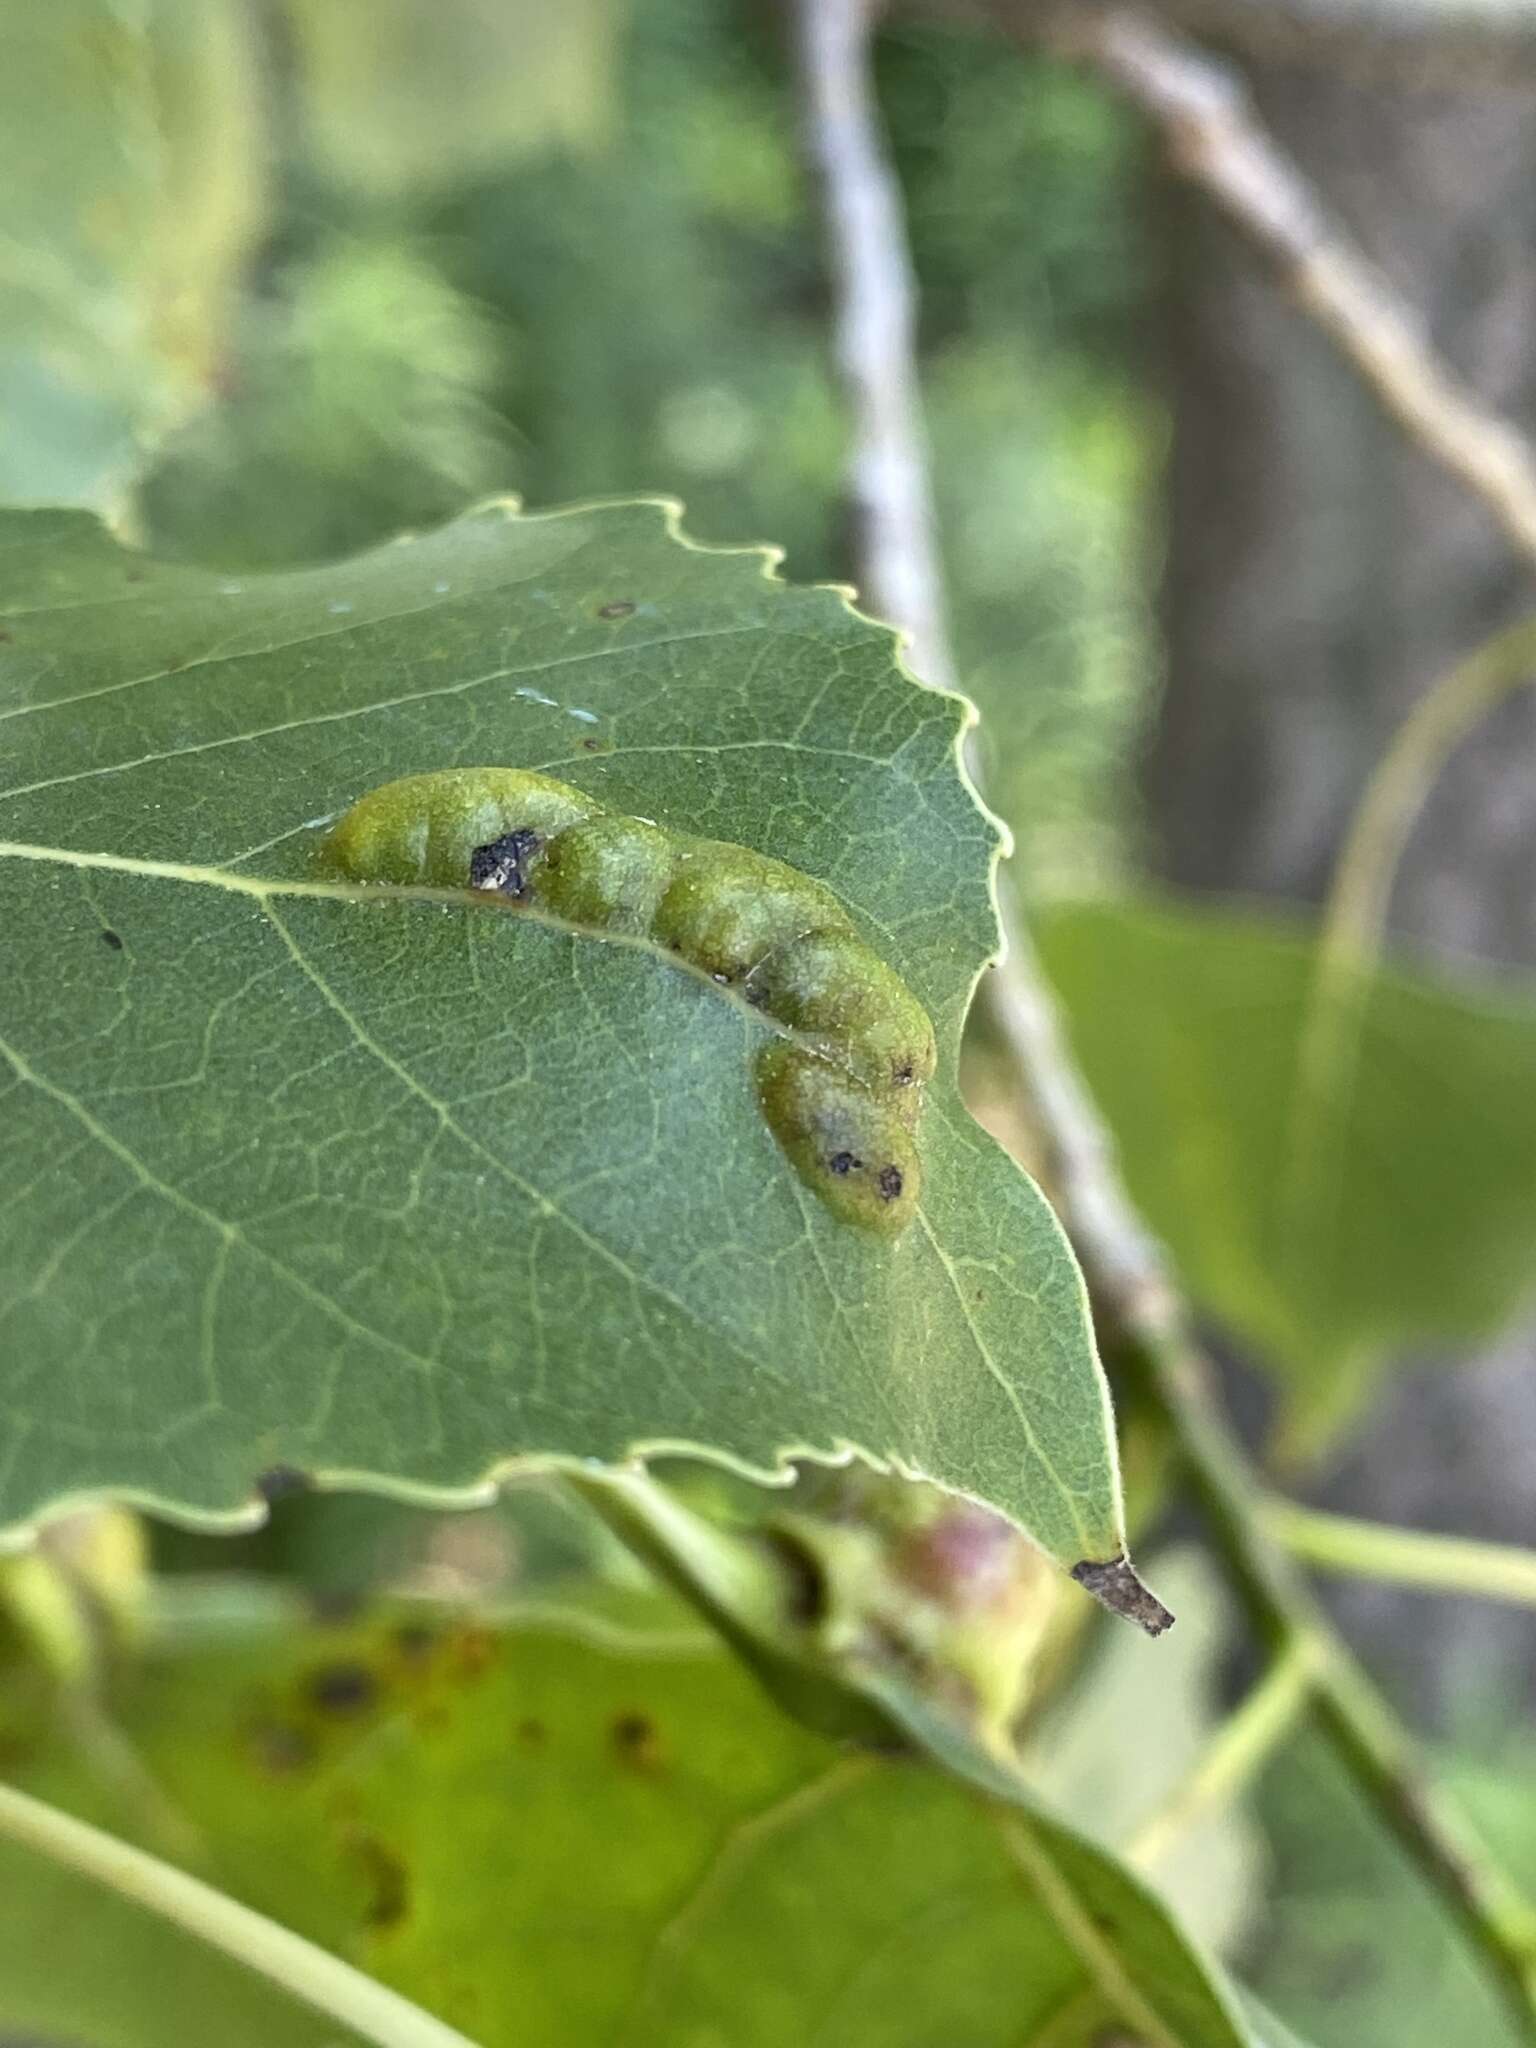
{"points": [[727, 907], [851, 1147], [843, 1100], [610, 872], [832, 986], [426, 830]]}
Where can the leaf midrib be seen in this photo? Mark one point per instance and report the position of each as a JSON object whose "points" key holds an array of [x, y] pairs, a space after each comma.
{"points": [[381, 895]]}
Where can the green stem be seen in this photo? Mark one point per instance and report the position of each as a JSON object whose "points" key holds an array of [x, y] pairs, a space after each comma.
{"points": [[1379, 1753], [286, 1960], [1351, 932], [1355, 912], [1236, 1753], [1407, 1557]]}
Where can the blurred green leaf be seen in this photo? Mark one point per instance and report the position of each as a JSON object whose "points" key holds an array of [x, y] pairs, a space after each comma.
{"points": [[356, 407], [131, 174], [577, 1832], [1357, 1951], [398, 96], [397, 1191], [1186, 1022]]}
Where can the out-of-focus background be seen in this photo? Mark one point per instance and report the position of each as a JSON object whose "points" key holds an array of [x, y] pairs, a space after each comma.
{"points": [[279, 278]]}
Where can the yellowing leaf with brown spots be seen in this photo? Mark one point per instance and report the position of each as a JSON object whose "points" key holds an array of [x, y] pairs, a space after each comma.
{"points": [[580, 1833]]}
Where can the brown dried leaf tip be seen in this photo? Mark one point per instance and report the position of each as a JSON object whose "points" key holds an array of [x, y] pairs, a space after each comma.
{"points": [[1116, 1586]]}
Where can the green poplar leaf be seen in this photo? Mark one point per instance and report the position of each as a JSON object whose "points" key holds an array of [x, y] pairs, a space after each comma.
{"points": [[1409, 1218], [400, 1191]]}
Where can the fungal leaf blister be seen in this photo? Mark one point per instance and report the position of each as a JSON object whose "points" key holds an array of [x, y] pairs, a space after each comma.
{"points": [[842, 1098]]}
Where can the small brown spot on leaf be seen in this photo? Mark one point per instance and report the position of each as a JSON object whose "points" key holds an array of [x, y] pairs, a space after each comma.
{"points": [[616, 608], [342, 1689], [388, 1882], [843, 1162], [636, 1741], [474, 1649], [278, 1482], [531, 1733], [281, 1749], [112, 939], [891, 1183]]}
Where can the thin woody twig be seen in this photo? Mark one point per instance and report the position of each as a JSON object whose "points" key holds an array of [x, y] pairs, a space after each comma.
{"points": [[1436, 43], [1134, 1294], [1216, 140], [873, 332]]}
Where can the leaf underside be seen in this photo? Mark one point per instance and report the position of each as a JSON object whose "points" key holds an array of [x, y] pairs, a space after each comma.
{"points": [[399, 1192]]}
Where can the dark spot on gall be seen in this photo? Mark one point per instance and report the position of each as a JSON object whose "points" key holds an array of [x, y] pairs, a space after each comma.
{"points": [[903, 1075], [843, 1162], [112, 939], [342, 1688], [500, 865], [890, 1182], [279, 1482], [616, 608], [592, 746], [635, 1740]]}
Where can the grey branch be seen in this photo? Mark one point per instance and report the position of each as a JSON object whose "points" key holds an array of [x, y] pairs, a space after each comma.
{"points": [[1215, 139], [873, 336], [1415, 41], [899, 557]]}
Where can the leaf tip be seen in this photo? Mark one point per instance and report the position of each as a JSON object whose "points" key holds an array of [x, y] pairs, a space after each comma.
{"points": [[1115, 1586]]}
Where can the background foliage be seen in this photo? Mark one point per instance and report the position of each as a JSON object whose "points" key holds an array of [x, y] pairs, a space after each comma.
{"points": [[277, 282]]}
